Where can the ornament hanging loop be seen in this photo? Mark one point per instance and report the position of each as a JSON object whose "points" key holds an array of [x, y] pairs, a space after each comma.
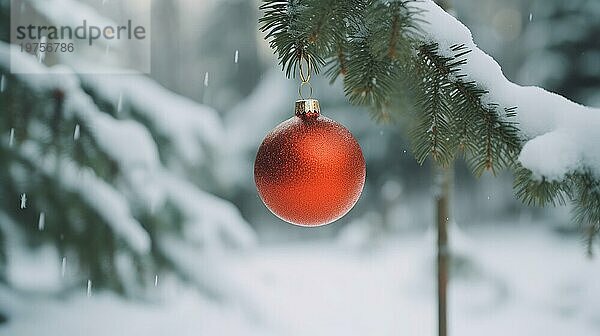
{"points": [[305, 68], [301, 86], [306, 107]]}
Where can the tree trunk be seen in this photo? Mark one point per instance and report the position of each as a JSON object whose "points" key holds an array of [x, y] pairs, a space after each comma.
{"points": [[444, 177], [443, 181]]}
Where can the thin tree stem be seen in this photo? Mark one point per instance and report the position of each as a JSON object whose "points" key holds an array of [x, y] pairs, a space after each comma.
{"points": [[444, 178]]}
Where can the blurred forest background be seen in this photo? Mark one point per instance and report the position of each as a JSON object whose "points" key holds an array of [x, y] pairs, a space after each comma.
{"points": [[133, 182]]}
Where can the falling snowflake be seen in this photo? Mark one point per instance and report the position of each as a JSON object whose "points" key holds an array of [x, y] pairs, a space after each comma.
{"points": [[42, 221], [89, 288], [76, 132], [23, 201], [11, 138], [63, 268]]}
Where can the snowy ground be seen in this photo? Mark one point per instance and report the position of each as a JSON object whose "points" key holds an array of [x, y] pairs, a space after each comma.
{"points": [[523, 281]]}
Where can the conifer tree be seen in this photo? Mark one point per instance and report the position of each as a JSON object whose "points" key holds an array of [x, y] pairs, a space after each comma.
{"points": [[396, 62], [388, 63], [110, 173]]}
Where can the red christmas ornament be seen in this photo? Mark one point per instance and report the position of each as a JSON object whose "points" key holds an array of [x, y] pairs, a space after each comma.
{"points": [[309, 170]]}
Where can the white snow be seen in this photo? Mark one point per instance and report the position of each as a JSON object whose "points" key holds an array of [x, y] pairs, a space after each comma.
{"points": [[561, 135], [193, 128], [89, 288], [553, 154], [512, 280], [129, 143], [189, 126], [27, 269], [101, 196], [207, 216], [23, 201], [76, 132], [185, 314], [210, 224], [42, 221], [11, 137], [63, 267]]}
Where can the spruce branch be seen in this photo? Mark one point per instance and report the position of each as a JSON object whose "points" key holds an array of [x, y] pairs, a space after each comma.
{"points": [[386, 62], [539, 192], [491, 140], [586, 209], [369, 80], [307, 29]]}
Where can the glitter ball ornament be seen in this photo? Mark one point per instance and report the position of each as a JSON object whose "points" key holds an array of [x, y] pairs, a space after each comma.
{"points": [[309, 170]]}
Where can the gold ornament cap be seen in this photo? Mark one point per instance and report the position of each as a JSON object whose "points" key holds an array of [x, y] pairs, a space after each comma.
{"points": [[307, 108]]}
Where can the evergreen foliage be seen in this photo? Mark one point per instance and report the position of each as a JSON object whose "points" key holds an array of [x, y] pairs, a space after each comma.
{"points": [[73, 219], [377, 48], [98, 188], [117, 174]]}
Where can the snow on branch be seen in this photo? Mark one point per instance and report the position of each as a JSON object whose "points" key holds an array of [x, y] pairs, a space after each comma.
{"points": [[131, 146], [105, 199], [188, 125], [207, 215], [561, 136]]}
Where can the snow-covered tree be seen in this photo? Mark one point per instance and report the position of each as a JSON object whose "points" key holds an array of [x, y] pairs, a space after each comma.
{"points": [[109, 172], [461, 105], [409, 58]]}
